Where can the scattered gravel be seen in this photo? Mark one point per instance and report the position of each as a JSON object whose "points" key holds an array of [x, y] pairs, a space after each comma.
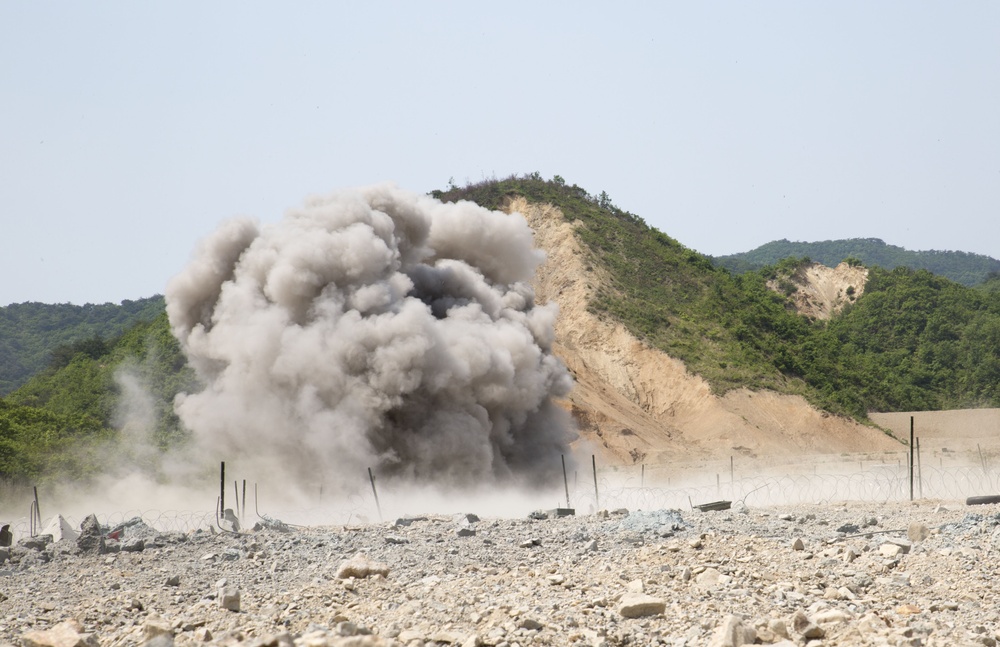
{"points": [[924, 573]]}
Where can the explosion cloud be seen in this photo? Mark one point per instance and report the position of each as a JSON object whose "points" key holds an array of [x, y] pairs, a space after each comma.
{"points": [[373, 327]]}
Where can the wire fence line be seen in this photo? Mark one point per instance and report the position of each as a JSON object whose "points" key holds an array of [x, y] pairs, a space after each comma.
{"points": [[878, 484], [615, 487]]}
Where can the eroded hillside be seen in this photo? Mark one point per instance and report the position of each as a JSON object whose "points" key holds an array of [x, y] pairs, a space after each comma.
{"points": [[819, 292], [638, 404]]}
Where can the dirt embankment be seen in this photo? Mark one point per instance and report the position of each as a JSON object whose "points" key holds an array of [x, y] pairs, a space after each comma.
{"points": [[637, 404]]}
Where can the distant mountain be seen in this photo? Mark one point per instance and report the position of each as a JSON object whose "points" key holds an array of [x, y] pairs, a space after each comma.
{"points": [[31, 333], [961, 267]]}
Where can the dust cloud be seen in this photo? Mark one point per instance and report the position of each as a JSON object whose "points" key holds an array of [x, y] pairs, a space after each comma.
{"points": [[373, 328]]}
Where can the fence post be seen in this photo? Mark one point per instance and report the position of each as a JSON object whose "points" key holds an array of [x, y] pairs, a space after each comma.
{"points": [[597, 497], [565, 480], [911, 458]]}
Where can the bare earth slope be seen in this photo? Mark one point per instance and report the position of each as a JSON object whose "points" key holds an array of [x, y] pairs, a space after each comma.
{"points": [[638, 404], [822, 291]]}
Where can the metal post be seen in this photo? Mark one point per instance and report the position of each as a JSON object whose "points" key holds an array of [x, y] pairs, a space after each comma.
{"points": [[378, 507], [38, 510], [565, 480], [911, 458], [920, 471], [597, 497], [222, 488], [244, 507], [642, 477]]}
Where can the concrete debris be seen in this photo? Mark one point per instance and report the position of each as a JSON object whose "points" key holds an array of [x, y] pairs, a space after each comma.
{"points": [[60, 529], [268, 523], [91, 537]]}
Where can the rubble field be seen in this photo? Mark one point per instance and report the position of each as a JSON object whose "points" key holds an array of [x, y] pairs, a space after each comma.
{"points": [[896, 573]]}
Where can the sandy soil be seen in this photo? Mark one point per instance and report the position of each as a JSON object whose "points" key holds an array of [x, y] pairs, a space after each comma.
{"points": [[635, 404]]}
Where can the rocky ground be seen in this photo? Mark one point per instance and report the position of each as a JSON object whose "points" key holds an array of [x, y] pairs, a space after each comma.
{"points": [[924, 573]]}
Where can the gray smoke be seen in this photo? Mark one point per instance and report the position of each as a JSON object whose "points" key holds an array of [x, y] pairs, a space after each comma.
{"points": [[373, 327]]}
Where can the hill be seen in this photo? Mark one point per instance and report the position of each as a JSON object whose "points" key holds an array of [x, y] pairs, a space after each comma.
{"points": [[672, 355], [961, 267], [30, 333]]}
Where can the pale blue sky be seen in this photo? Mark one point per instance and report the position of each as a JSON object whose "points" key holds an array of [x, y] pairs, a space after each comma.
{"points": [[129, 130]]}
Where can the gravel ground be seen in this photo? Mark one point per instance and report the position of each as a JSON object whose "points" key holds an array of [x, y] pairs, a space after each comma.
{"points": [[921, 573]]}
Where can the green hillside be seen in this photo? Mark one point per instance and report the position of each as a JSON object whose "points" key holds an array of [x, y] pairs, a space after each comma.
{"points": [[913, 340], [961, 267], [31, 332], [81, 397]]}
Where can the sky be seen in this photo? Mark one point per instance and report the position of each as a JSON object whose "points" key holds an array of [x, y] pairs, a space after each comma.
{"points": [[129, 131]]}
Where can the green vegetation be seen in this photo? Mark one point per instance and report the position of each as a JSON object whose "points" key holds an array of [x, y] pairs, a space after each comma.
{"points": [[961, 267], [912, 341], [59, 418], [31, 332]]}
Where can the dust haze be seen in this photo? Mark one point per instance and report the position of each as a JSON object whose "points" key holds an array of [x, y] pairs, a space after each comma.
{"points": [[372, 328]]}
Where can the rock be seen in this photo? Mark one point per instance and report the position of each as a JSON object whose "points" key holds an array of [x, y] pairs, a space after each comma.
{"points": [[530, 543], [136, 545], [890, 550], [798, 544], [917, 532], [408, 521], [173, 580], [733, 633], [38, 542], [711, 578], [229, 598], [91, 539], [904, 545], [805, 626], [154, 626], [639, 605], [465, 532], [360, 566], [65, 634]]}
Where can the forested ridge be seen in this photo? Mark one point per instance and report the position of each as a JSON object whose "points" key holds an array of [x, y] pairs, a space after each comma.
{"points": [[912, 341], [31, 332], [961, 267]]}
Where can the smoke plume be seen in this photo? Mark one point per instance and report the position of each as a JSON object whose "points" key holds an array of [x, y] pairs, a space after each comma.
{"points": [[373, 328]]}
